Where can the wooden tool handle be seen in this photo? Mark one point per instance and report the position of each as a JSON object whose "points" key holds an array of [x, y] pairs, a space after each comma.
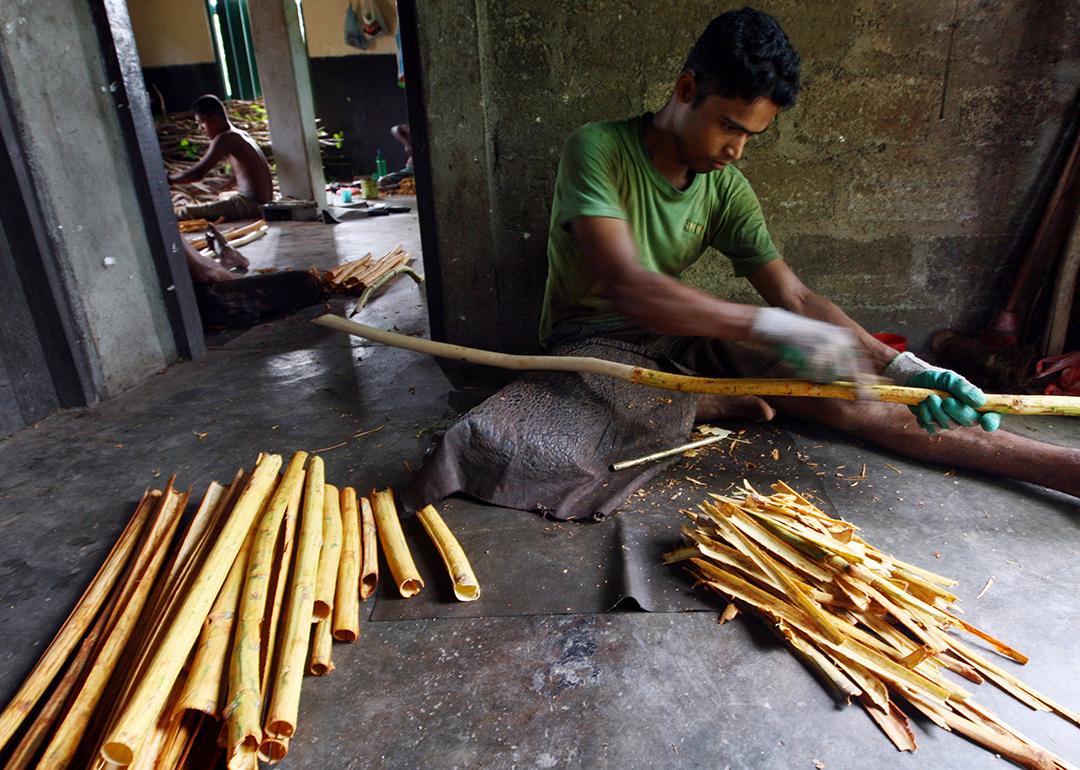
{"points": [[1011, 404]]}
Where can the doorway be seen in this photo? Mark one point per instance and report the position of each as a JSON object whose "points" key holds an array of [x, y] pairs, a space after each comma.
{"points": [[361, 105]]}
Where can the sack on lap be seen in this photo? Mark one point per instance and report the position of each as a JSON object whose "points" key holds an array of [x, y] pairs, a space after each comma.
{"points": [[545, 442]]}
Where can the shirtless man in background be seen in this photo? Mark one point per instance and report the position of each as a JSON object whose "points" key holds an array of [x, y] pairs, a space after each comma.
{"points": [[227, 143]]}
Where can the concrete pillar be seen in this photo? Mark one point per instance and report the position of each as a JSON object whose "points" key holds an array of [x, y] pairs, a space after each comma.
{"points": [[107, 294], [281, 55]]}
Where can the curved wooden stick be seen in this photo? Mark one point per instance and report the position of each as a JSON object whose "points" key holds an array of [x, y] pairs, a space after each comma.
{"points": [[1065, 406]]}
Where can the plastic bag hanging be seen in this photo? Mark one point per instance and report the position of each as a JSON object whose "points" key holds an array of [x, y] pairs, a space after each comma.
{"points": [[371, 19], [354, 32]]}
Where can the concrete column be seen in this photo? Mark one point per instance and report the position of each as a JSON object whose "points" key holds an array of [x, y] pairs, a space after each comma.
{"points": [[61, 117], [464, 266], [281, 56]]}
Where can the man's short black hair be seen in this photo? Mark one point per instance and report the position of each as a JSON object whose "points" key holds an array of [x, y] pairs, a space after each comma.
{"points": [[745, 54], [209, 106]]}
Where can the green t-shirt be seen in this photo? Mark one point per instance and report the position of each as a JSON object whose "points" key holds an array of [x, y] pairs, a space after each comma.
{"points": [[606, 171]]}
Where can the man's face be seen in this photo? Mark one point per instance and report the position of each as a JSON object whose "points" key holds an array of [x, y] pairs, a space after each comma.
{"points": [[713, 134], [209, 125]]}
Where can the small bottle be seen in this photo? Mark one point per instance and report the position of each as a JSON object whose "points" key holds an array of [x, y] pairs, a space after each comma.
{"points": [[380, 165]]}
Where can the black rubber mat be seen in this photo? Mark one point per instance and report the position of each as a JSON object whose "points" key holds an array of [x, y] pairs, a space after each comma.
{"points": [[528, 565], [545, 442]]}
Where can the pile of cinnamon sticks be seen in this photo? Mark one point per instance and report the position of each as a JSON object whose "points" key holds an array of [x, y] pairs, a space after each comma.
{"points": [[356, 276], [194, 225], [192, 641], [237, 236], [874, 627]]}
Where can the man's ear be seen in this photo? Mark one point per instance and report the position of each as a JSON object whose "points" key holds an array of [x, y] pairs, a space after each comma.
{"points": [[686, 88]]}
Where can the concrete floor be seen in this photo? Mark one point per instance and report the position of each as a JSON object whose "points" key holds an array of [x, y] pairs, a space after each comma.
{"points": [[619, 689]]}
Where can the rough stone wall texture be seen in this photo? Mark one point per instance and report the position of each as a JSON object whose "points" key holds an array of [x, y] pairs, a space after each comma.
{"points": [[457, 110], [896, 186], [50, 61]]}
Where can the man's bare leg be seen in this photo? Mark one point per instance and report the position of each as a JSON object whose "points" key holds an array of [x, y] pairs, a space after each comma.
{"points": [[203, 269], [712, 407], [402, 133], [229, 256], [892, 427]]}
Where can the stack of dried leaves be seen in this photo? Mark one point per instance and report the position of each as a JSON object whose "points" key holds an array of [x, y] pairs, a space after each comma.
{"points": [[876, 628]]}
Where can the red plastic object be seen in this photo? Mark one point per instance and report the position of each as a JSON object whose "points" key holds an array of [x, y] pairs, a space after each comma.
{"points": [[894, 341], [1002, 331], [1067, 369]]}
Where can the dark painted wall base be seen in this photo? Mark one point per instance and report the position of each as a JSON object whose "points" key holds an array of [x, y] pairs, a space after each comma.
{"points": [[177, 87], [357, 95]]}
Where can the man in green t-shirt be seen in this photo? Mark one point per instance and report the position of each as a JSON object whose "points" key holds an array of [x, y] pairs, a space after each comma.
{"points": [[637, 202]]}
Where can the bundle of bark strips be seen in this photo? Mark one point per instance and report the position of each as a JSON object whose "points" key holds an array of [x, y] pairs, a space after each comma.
{"points": [[194, 225], [356, 276], [875, 628], [189, 647]]}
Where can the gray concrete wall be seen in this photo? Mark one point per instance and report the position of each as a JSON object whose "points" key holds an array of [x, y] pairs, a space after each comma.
{"points": [[896, 186], [26, 389], [51, 63], [457, 104]]}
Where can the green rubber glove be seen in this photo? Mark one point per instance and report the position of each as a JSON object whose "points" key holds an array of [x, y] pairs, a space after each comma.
{"points": [[935, 413]]}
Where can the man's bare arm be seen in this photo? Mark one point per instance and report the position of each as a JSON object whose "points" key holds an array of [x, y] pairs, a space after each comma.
{"points": [[214, 155], [656, 301], [818, 350], [778, 285]]}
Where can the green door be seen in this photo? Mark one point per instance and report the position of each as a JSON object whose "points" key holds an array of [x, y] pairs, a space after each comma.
{"points": [[230, 29]]}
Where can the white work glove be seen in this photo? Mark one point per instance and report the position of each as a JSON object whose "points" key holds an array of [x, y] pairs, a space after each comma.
{"points": [[818, 351]]}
